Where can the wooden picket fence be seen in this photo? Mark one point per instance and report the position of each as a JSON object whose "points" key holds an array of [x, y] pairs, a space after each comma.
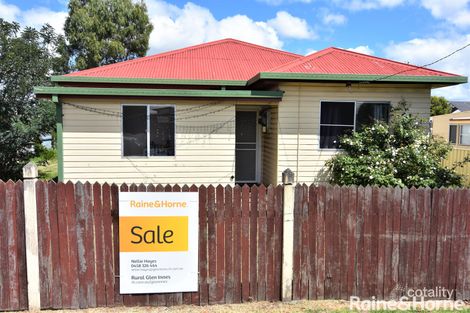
{"points": [[380, 242], [361, 241], [239, 245], [13, 283]]}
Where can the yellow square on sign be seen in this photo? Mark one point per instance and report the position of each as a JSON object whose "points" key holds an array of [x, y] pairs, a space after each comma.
{"points": [[153, 233]]}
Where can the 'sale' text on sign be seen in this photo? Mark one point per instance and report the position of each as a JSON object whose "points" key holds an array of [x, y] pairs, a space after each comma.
{"points": [[158, 244]]}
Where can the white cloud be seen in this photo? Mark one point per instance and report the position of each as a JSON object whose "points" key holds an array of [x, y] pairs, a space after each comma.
{"points": [[362, 49], [279, 2], [176, 27], [290, 26], [456, 12], [358, 5], [35, 17], [310, 51], [334, 19], [9, 12], [422, 51]]}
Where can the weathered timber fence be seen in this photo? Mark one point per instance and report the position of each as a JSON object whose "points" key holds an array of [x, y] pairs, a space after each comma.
{"points": [[13, 284], [361, 241], [380, 241], [239, 245]]}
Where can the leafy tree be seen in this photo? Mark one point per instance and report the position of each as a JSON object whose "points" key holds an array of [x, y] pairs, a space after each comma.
{"points": [[401, 153], [27, 58], [440, 105], [102, 32]]}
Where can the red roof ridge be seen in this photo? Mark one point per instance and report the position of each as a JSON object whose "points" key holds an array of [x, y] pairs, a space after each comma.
{"points": [[258, 46], [177, 51], [373, 57], [324, 52], [292, 63]]}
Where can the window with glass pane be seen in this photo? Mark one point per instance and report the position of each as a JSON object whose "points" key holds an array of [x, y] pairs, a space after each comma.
{"points": [[453, 134], [162, 131], [336, 120], [134, 128], [465, 135], [370, 112]]}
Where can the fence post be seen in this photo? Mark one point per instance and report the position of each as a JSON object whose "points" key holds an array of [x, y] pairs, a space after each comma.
{"points": [[288, 235], [30, 176]]}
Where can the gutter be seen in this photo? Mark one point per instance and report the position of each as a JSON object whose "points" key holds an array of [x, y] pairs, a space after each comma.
{"points": [[307, 77], [138, 92]]}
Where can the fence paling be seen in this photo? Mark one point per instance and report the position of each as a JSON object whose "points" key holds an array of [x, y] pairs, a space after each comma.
{"points": [[13, 283]]}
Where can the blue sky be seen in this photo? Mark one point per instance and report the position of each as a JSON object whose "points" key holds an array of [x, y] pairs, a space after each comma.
{"points": [[415, 31]]}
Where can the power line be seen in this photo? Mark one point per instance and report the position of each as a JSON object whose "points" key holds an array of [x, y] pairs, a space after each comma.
{"points": [[185, 111], [419, 67], [207, 128]]}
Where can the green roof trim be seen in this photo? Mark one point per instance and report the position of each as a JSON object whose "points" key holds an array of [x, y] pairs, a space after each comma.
{"points": [[138, 92], [149, 81], [359, 78], [266, 75]]}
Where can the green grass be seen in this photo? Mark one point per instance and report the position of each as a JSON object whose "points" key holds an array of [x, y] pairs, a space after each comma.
{"points": [[47, 164], [49, 170]]}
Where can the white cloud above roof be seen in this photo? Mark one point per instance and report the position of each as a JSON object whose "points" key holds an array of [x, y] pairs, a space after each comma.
{"points": [[456, 12], [422, 51], [290, 26], [358, 5], [279, 2], [177, 27], [334, 19], [362, 49], [35, 17]]}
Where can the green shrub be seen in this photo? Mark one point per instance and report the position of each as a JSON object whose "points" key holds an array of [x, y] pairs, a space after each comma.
{"points": [[400, 153]]}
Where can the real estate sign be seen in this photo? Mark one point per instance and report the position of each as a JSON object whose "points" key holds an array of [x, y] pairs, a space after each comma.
{"points": [[158, 242]]}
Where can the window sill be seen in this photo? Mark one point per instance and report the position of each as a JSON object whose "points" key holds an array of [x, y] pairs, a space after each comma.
{"points": [[149, 157]]}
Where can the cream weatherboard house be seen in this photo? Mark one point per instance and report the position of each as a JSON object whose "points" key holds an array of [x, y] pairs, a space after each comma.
{"points": [[225, 112]]}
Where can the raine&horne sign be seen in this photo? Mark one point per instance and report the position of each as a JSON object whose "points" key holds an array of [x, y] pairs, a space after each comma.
{"points": [[158, 242]]}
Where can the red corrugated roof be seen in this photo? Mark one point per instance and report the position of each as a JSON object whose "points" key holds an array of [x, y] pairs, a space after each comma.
{"points": [[338, 61], [226, 59], [231, 59]]}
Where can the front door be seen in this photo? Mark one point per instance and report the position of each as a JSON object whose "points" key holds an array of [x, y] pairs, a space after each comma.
{"points": [[246, 155]]}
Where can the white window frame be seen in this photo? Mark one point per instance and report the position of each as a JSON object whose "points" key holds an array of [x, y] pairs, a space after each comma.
{"points": [[459, 134], [148, 106], [356, 107]]}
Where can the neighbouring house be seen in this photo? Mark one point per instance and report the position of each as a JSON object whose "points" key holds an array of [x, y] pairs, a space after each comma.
{"points": [[454, 128], [225, 112]]}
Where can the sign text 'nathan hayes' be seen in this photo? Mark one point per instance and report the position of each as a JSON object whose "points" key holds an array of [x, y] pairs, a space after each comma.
{"points": [[158, 242]]}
